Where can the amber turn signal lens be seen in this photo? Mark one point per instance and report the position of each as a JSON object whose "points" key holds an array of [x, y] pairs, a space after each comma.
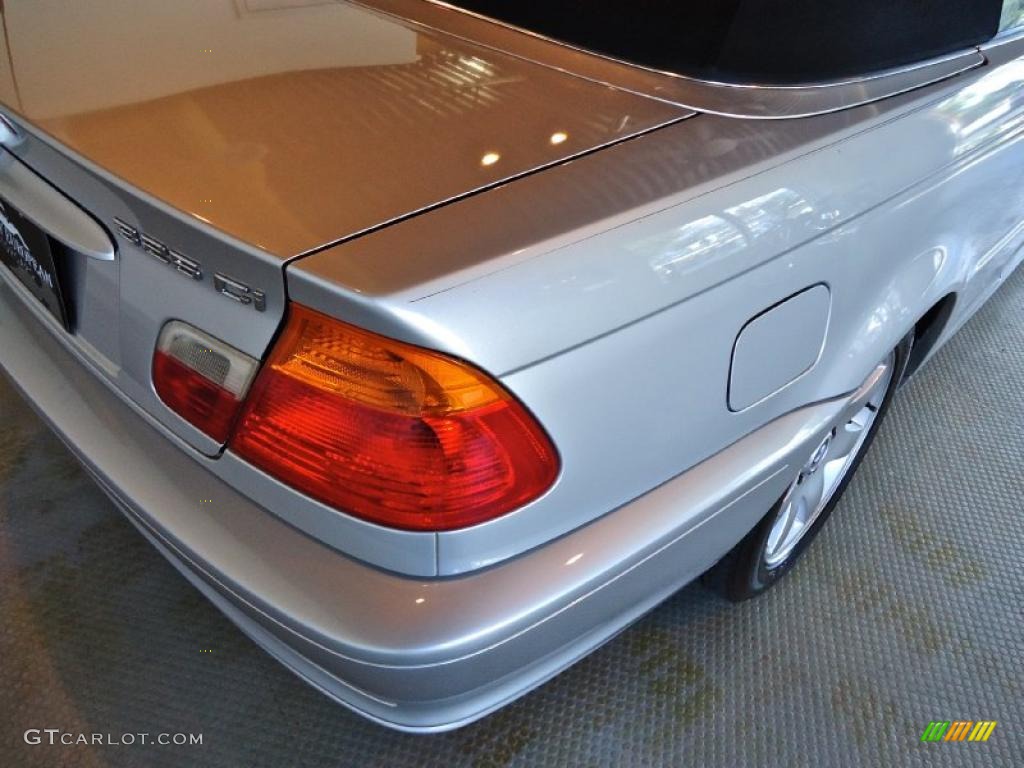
{"points": [[389, 432]]}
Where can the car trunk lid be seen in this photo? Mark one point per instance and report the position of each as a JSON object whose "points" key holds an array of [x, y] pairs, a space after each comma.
{"points": [[215, 141], [292, 125], [164, 269]]}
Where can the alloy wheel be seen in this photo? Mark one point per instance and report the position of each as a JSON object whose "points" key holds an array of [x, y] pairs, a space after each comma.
{"points": [[823, 473]]}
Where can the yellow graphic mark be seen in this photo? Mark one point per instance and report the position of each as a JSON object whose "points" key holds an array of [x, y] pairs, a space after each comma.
{"points": [[982, 730]]}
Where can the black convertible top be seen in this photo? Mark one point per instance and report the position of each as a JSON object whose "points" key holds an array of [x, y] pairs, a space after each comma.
{"points": [[764, 41]]}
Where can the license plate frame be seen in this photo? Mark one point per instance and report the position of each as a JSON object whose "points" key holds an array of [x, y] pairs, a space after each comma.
{"points": [[25, 250]]}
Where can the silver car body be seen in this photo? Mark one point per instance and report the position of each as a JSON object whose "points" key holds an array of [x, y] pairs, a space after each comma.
{"points": [[686, 282]]}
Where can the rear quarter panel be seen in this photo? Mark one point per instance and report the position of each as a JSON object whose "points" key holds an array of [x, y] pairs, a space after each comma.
{"points": [[610, 302]]}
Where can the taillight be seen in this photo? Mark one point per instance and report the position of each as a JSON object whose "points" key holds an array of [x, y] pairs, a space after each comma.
{"points": [[201, 379], [390, 432]]}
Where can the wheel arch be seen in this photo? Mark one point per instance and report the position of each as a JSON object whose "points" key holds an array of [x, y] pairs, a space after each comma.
{"points": [[927, 332]]}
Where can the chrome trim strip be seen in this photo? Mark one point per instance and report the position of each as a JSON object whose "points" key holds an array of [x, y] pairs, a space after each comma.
{"points": [[761, 102], [1007, 36], [51, 211], [1007, 45]]}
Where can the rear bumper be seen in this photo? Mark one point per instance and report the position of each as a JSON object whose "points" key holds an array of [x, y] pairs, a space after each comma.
{"points": [[414, 654]]}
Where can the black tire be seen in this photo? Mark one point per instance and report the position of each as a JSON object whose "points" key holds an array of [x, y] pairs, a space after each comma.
{"points": [[744, 572]]}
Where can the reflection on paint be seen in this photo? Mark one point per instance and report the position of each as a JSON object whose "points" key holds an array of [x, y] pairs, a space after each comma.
{"points": [[719, 236]]}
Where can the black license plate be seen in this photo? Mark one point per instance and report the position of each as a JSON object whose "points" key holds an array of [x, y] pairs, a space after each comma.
{"points": [[25, 249]]}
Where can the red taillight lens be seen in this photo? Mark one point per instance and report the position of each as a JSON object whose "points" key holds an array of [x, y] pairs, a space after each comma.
{"points": [[389, 432], [201, 379]]}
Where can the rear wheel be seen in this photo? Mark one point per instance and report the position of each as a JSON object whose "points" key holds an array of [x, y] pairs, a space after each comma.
{"points": [[770, 550]]}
